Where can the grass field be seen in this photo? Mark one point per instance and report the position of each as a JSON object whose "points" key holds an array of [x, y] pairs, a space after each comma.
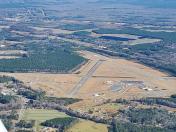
{"points": [[87, 126], [41, 115]]}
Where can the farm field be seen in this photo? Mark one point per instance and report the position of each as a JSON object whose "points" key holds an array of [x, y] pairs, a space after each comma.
{"points": [[87, 126], [41, 115]]}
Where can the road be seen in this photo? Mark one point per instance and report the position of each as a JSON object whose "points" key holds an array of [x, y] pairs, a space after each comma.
{"points": [[84, 79]]}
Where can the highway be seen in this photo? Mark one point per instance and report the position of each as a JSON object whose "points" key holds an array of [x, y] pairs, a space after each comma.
{"points": [[84, 79]]}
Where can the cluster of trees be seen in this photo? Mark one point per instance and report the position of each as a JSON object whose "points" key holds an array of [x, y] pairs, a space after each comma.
{"points": [[13, 115], [151, 117], [6, 34], [122, 101], [130, 127], [8, 118], [21, 27], [60, 123], [74, 27], [5, 99], [37, 95], [4, 79], [82, 33], [61, 101], [24, 130], [170, 102], [25, 124], [51, 102]]}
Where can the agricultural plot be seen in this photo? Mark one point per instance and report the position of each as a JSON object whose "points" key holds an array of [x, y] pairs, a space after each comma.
{"points": [[87, 126], [39, 116]]}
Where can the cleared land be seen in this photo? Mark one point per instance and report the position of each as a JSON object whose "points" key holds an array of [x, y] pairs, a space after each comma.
{"points": [[41, 115], [142, 41], [87, 126], [54, 84]]}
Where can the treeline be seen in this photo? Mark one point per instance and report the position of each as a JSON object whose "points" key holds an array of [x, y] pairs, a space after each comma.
{"points": [[5, 99], [4, 79], [130, 127], [74, 27], [37, 95], [63, 101], [8, 119], [170, 102], [13, 115], [150, 117], [25, 124], [60, 123]]}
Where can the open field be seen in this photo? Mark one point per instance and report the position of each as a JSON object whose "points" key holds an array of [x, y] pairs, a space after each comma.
{"points": [[87, 126], [8, 57], [115, 35], [40, 115], [6, 52], [56, 31], [142, 41], [53, 84]]}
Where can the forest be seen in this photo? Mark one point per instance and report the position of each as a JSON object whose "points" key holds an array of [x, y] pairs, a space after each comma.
{"points": [[60, 123], [43, 59]]}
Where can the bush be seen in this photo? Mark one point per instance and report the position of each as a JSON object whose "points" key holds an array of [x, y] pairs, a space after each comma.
{"points": [[24, 124], [5, 99]]}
